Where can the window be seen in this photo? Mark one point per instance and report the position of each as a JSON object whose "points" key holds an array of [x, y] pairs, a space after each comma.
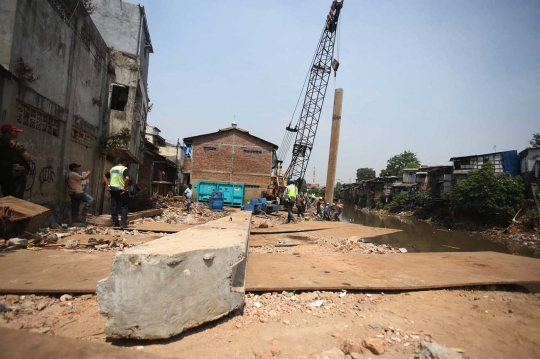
{"points": [[119, 97], [255, 152], [37, 119], [210, 148], [465, 161], [251, 186], [486, 159]]}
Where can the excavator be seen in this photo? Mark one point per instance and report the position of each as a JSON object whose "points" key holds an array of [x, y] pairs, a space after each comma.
{"points": [[302, 134]]}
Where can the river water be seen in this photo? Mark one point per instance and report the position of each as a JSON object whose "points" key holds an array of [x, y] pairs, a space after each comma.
{"points": [[418, 236]]}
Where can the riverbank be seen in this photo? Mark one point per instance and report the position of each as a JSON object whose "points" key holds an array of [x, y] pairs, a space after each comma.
{"points": [[303, 325], [435, 235]]}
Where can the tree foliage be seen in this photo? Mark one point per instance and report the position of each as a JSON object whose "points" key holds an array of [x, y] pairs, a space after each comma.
{"points": [[365, 173], [488, 196], [535, 142], [338, 191], [397, 163]]}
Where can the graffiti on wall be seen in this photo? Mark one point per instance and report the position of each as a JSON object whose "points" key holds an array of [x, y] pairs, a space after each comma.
{"points": [[31, 175], [46, 175]]}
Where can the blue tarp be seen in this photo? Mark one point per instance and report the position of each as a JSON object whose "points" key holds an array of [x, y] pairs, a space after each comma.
{"points": [[510, 162]]}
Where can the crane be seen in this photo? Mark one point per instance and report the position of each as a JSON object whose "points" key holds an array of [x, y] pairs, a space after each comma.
{"points": [[306, 128]]}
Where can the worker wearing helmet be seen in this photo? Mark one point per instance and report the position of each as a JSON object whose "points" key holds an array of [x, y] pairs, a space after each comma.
{"points": [[290, 196], [327, 212]]}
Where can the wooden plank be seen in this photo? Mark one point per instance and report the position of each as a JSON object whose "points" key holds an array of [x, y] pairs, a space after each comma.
{"points": [[52, 271], [22, 344], [105, 219], [160, 227], [413, 271]]}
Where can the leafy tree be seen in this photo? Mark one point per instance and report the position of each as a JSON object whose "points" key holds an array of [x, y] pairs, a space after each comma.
{"points": [[488, 196], [397, 163], [315, 190], [365, 172], [399, 202], [535, 142], [338, 191]]}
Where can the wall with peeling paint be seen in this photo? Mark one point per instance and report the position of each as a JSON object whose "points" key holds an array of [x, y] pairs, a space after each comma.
{"points": [[64, 112]]}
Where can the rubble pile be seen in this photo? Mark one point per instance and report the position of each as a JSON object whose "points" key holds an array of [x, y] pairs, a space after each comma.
{"points": [[42, 314], [283, 307], [314, 244]]}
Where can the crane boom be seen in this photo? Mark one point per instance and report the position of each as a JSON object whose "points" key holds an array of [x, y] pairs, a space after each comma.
{"points": [[319, 76]]}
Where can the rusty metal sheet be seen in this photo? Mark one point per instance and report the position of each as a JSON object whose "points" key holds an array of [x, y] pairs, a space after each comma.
{"points": [[412, 271]]}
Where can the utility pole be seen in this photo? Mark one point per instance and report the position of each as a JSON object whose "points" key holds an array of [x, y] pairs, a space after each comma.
{"points": [[334, 144]]}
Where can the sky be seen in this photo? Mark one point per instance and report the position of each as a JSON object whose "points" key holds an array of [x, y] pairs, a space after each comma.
{"points": [[439, 78]]}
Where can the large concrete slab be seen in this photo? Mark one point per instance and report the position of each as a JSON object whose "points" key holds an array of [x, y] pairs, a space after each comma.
{"points": [[163, 287], [412, 271], [21, 344]]}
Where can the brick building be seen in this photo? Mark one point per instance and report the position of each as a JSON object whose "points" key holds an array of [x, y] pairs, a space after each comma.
{"points": [[231, 154]]}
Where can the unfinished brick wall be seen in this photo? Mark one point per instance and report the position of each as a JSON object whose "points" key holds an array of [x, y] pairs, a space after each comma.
{"points": [[232, 156]]}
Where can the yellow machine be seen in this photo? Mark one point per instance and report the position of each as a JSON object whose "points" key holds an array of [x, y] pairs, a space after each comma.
{"points": [[276, 187]]}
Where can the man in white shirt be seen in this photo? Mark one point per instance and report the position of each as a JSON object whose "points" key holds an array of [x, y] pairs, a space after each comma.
{"points": [[188, 193], [74, 183]]}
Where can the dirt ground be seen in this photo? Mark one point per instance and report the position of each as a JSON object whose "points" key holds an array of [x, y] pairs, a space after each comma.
{"points": [[481, 323], [494, 322]]}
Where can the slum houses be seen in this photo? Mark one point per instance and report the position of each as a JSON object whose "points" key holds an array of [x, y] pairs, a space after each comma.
{"points": [[104, 69], [440, 179]]}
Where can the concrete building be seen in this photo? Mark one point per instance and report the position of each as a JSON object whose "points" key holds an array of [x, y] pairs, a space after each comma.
{"points": [[231, 154], [125, 30], [506, 161], [159, 171], [528, 165], [54, 85]]}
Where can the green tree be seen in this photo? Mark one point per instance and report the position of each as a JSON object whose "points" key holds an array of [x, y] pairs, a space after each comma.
{"points": [[315, 190], [488, 196], [338, 191], [365, 173], [535, 142], [397, 163]]}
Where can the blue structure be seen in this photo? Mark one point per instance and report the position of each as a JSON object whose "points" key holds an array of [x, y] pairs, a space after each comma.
{"points": [[232, 193], [215, 203], [260, 205]]}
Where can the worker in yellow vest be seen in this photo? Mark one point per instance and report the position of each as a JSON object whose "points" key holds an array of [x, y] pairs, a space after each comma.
{"points": [[117, 180], [290, 196]]}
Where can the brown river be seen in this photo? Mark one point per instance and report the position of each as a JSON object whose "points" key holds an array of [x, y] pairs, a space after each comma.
{"points": [[418, 236]]}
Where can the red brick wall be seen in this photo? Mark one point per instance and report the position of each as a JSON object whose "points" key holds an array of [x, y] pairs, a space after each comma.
{"points": [[229, 162]]}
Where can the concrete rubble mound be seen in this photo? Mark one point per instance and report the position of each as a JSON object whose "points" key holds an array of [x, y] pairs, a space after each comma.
{"points": [[163, 287]]}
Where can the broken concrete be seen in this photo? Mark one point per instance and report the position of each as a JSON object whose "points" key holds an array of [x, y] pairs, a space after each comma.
{"points": [[163, 287]]}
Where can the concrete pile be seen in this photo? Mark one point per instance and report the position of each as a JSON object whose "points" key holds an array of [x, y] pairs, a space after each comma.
{"points": [[163, 287]]}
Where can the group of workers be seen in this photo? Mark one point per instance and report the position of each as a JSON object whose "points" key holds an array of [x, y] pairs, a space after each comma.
{"points": [[15, 164], [292, 197]]}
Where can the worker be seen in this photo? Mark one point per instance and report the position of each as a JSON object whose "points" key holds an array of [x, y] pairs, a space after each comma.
{"points": [[319, 207], [14, 162], [117, 180], [188, 193], [75, 190], [290, 194], [327, 212], [301, 205], [335, 212]]}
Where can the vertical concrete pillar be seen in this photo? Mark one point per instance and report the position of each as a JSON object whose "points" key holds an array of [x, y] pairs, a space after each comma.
{"points": [[334, 144]]}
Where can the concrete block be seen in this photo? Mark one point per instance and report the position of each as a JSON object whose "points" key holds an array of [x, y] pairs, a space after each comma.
{"points": [[163, 287]]}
